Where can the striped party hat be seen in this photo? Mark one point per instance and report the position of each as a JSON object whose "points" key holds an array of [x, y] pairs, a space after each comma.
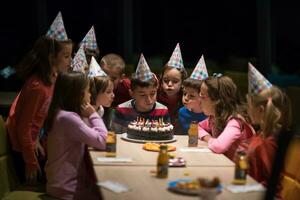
{"points": [[95, 69], [200, 71], [143, 72], [57, 29], [89, 41], [176, 58], [256, 81], [79, 61]]}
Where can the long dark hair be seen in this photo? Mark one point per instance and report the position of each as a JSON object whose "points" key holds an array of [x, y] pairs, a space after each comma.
{"points": [[37, 61], [228, 102], [68, 95]]}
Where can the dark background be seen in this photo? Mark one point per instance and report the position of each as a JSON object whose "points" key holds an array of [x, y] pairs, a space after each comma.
{"points": [[228, 33]]}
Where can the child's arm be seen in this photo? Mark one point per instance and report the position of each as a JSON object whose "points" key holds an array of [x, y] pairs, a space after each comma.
{"points": [[94, 136], [230, 134], [203, 129], [30, 123]]}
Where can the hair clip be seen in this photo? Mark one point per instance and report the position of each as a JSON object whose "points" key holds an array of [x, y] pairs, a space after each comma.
{"points": [[217, 75]]}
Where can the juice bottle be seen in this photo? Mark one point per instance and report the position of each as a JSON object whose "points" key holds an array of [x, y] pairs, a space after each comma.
{"points": [[193, 134], [163, 162], [111, 144], [241, 166]]}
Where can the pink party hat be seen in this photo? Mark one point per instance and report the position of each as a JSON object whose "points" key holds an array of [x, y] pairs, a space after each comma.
{"points": [[200, 71], [89, 41], [176, 58], [79, 61], [143, 71], [95, 69], [256, 81], [57, 29]]}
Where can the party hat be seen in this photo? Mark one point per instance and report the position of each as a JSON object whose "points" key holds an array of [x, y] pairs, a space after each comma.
{"points": [[256, 81], [57, 29], [95, 69], [200, 71], [79, 61], [89, 41], [176, 58], [143, 71]]}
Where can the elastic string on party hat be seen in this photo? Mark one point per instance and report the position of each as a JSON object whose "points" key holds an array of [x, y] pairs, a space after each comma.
{"points": [[217, 75]]}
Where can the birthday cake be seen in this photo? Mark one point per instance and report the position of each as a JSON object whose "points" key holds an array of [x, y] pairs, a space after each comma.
{"points": [[142, 129]]}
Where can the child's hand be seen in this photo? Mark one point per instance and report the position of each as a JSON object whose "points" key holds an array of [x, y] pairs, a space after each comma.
{"points": [[39, 149], [31, 175], [87, 109]]}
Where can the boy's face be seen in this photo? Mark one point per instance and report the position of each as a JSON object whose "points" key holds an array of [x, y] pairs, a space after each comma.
{"points": [[145, 97], [171, 82], [115, 73], [191, 99]]}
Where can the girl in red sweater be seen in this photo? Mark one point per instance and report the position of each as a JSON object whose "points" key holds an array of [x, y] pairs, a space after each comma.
{"points": [[50, 55]]}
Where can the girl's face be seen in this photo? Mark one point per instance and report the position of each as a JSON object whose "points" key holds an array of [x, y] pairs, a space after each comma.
{"points": [[145, 98], [63, 58], [171, 82], [106, 98], [191, 99], [87, 95], [255, 112], [207, 105]]}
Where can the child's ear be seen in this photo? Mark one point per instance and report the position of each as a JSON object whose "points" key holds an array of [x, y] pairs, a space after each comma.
{"points": [[261, 108], [123, 76]]}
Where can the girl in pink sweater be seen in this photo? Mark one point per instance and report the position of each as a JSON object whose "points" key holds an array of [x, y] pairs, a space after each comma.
{"points": [[68, 136], [226, 129]]}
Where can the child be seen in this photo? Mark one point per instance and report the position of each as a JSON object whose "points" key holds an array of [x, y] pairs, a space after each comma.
{"points": [[101, 88], [170, 93], [143, 104], [114, 66], [268, 107], [50, 55], [226, 129], [66, 169], [191, 111]]}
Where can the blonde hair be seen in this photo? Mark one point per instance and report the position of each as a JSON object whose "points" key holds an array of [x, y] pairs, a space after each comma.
{"points": [[113, 60], [277, 115]]}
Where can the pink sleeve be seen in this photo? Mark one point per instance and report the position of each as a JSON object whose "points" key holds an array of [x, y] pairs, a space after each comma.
{"points": [[203, 128], [94, 136], [230, 134]]}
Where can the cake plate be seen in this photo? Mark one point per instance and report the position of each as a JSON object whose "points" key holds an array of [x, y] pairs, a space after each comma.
{"points": [[124, 137]]}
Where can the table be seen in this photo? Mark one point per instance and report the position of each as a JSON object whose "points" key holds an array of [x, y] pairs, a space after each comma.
{"points": [[142, 157], [144, 185]]}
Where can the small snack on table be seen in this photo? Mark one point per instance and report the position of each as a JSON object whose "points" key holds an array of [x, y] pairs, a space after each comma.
{"points": [[150, 146], [195, 186]]}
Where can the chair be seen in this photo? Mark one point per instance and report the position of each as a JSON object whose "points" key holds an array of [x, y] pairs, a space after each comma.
{"points": [[293, 93], [291, 178], [7, 177]]}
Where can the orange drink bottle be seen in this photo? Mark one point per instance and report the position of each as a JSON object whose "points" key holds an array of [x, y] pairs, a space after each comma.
{"points": [[162, 162], [193, 134], [111, 144]]}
